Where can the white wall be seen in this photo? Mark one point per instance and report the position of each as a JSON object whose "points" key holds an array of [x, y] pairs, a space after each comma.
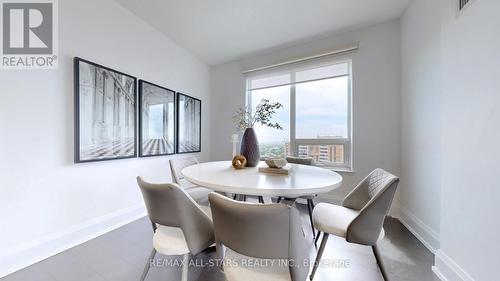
{"points": [[376, 98], [47, 202], [470, 155], [451, 94], [420, 189]]}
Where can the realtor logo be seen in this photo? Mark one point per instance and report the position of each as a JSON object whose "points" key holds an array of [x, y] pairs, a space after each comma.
{"points": [[29, 33]]}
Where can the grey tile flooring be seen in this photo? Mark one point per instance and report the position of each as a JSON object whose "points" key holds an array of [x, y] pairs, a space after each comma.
{"points": [[120, 255]]}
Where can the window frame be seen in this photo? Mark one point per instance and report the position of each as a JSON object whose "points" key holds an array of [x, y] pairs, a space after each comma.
{"points": [[347, 166]]}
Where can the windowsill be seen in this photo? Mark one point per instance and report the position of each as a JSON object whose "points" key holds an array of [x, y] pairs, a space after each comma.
{"points": [[339, 169]]}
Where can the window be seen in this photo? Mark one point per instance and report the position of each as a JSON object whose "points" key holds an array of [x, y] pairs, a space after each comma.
{"points": [[316, 118]]}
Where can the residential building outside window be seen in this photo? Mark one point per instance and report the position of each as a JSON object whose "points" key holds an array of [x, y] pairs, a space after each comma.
{"points": [[316, 117]]}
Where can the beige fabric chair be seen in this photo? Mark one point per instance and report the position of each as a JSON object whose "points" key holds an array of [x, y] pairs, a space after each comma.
{"points": [[360, 218], [260, 234], [180, 225], [300, 160], [199, 194]]}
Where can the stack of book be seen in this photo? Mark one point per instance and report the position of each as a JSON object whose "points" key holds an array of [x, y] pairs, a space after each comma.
{"points": [[280, 171]]}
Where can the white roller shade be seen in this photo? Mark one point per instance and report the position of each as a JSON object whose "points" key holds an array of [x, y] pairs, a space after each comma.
{"points": [[314, 73], [324, 72], [270, 81]]}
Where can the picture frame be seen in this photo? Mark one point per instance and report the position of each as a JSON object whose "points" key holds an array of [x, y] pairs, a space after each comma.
{"points": [[157, 120], [188, 124], [105, 113]]}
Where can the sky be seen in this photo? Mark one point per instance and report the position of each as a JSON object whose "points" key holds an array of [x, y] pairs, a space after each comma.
{"points": [[321, 108]]}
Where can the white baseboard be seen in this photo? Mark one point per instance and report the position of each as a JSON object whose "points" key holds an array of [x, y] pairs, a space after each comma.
{"points": [[418, 228], [21, 256], [439, 274], [447, 269], [444, 267]]}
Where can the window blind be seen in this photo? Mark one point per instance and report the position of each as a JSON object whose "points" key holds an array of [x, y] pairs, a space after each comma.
{"points": [[300, 76]]}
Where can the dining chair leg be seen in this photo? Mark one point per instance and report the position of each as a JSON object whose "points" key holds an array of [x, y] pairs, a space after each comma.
{"points": [[244, 198], [279, 199], [378, 258], [310, 206], [219, 253], [317, 238], [148, 264], [318, 257], [261, 199], [185, 267], [235, 196]]}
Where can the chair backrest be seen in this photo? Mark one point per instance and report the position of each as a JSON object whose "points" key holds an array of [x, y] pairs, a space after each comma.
{"points": [[176, 166], [267, 231], [300, 160], [373, 198], [169, 205]]}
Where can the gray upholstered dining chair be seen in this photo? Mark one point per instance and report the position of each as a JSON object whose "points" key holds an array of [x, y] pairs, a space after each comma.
{"points": [[259, 234], [300, 160], [361, 217], [199, 194], [180, 225]]}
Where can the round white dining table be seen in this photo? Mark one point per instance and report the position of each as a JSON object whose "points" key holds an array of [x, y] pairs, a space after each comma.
{"points": [[301, 180]]}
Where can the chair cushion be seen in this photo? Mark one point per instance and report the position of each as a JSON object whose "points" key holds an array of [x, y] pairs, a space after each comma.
{"points": [[238, 267], [186, 184], [170, 241], [207, 210], [199, 194], [333, 219]]}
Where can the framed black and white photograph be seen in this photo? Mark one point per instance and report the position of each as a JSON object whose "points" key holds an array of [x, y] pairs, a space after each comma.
{"points": [[156, 120], [105, 113], [188, 124]]}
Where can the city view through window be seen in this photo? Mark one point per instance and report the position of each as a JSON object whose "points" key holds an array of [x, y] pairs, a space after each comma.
{"points": [[321, 114]]}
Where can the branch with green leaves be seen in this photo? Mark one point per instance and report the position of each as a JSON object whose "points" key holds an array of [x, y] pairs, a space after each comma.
{"points": [[264, 111]]}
